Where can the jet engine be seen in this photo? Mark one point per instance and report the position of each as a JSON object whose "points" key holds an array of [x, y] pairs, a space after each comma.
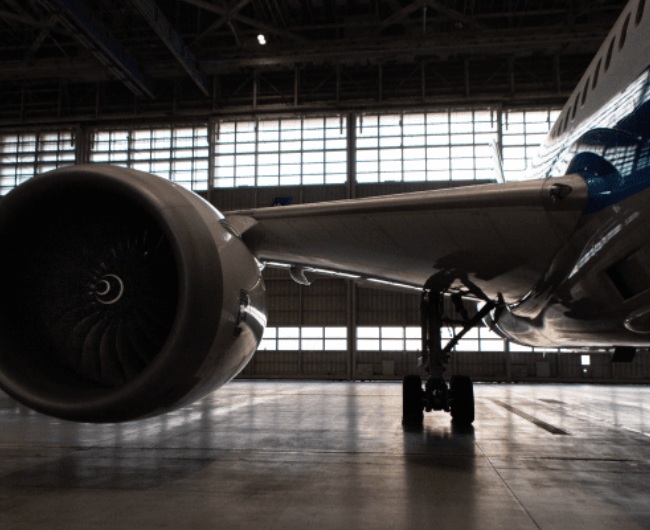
{"points": [[122, 295]]}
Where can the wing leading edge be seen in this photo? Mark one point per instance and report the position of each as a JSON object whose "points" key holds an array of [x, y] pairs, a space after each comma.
{"points": [[501, 236]]}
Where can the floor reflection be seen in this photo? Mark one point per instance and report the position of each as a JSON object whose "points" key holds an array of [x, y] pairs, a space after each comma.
{"points": [[335, 455]]}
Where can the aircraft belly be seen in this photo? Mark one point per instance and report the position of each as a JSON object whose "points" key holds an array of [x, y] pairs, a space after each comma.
{"points": [[597, 292]]}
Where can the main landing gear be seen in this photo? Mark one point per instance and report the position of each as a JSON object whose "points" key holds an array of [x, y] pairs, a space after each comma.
{"points": [[457, 397]]}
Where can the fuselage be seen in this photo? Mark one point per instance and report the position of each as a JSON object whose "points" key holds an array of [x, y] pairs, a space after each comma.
{"points": [[597, 289]]}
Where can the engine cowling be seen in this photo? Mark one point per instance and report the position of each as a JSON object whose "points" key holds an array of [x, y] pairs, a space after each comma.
{"points": [[123, 295]]}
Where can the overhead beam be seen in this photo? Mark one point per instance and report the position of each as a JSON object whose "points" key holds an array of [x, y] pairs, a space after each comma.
{"points": [[411, 49], [452, 13], [23, 19], [566, 45], [19, 13], [407, 10], [401, 14], [102, 43], [261, 26], [232, 11], [160, 24]]}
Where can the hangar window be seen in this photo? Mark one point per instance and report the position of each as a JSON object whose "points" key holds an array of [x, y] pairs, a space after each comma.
{"points": [[389, 338], [176, 153], [111, 147], [523, 133], [395, 338], [519, 348], [426, 146], [386, 339], [26, 154], [281, 152], [478, 339], [304, 339]]}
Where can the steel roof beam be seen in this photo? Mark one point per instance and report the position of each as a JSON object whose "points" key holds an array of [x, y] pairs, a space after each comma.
{"points": [[258, 25], [103, 44], [233, 10], [401, 14], [453, 14], [160, 24]]}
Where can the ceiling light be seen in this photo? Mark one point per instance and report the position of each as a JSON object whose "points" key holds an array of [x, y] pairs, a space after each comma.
{"points": [[261, 39]]}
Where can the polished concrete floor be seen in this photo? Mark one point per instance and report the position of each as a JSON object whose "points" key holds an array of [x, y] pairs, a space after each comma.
{"points": [[278, 455]]}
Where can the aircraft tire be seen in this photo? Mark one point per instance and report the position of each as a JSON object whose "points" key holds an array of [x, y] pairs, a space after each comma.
{"points": [[412, 407], [462, 400]]}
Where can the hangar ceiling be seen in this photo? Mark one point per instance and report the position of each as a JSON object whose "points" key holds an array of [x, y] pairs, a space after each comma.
{"points": [[72, 60]]}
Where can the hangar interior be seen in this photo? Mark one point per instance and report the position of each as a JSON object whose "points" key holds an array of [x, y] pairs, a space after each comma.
{"points": [[259, 103]]}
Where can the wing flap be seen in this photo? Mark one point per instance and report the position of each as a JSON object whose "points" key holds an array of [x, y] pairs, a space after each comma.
{"points": [[500, 236]]}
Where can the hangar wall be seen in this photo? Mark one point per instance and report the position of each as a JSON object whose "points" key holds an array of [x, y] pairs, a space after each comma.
{"points": [[332, 329], [565, 366]]}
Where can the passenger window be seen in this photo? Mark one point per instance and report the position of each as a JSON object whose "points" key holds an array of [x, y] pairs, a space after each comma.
{"points": [[639, 12], [610, 51], [626, 24], [596, 74]]}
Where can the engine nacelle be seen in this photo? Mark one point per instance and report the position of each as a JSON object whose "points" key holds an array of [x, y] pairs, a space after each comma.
{"points": [[123, 295]]}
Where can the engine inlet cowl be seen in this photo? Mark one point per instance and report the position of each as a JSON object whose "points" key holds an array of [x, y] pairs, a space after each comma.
{"points": [[121, 295]]}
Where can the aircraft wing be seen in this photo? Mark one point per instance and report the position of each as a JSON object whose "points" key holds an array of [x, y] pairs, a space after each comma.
{"points": [[502, 236]]}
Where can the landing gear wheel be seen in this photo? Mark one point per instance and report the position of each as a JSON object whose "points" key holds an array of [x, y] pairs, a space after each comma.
{"points": [[462, 400], [412, 405]]}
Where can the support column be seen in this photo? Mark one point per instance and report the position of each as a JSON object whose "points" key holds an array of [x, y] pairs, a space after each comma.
{"points": [[351, 149], [213, 133], [351, 191]]}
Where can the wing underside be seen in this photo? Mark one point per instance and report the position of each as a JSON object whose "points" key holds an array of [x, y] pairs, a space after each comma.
{"points": [[500, 236]]}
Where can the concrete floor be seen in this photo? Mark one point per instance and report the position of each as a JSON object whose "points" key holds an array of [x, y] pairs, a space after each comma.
{"points": [[267, 455]]}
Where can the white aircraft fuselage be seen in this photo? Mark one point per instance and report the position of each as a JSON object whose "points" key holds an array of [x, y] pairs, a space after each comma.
{"points": [[597, 289]]}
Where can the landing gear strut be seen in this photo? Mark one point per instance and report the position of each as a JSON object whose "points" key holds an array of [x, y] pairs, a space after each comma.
{"points": [[457, 397]]}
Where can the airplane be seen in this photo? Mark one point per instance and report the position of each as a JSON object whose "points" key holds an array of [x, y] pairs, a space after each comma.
{"points": [[125, 296]]}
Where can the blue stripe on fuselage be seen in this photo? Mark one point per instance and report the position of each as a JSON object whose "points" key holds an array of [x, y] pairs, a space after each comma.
{"points": [[607, 190], [615, 162]]}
